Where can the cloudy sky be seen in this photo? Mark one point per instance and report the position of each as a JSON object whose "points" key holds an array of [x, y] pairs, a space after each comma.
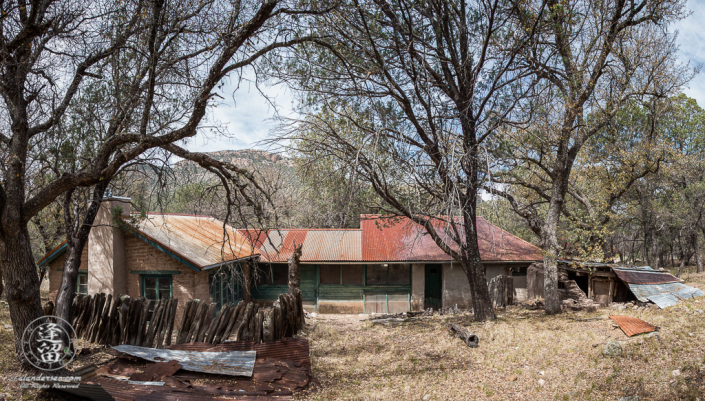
{"points": [[248, 116]]}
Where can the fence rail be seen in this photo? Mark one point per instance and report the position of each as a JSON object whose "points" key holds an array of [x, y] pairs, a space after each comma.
{"points": [[104, 319]]}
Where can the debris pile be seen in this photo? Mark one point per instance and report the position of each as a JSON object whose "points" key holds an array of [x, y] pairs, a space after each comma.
{"points": [[280, 368]]}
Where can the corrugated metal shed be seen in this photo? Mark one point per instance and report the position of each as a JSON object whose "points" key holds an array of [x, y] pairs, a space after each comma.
{"points": [[234, 363], [200, 240], [399, 239]]}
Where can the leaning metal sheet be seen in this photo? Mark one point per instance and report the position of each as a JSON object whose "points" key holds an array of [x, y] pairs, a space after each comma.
{"points": [[664, 300], [234, 363], [664, 295]]}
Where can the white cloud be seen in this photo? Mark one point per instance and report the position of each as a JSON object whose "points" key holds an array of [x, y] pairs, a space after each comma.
{"points": [[691, 40], [246, 116]]}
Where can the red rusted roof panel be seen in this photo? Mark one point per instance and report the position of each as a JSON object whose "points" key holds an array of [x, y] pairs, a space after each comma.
{"points": [[632, 326], [399, 239], [634, 276]]}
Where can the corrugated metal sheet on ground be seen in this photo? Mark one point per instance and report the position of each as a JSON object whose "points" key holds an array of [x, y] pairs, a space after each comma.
{"points": [[664, 295], [632, 326], [639, 276], [288, 348], [199, 239], [125, 391], [234, 363]]}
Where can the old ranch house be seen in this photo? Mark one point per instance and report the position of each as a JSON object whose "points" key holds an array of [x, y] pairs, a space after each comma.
{"points": [[387, 265]]}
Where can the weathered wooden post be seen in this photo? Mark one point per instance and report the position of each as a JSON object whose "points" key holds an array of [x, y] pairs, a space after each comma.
{"points": [[295, 286]]}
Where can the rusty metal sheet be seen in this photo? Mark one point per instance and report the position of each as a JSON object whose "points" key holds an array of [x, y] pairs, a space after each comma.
{"points": [[288, 348], [632, 326], [387, 239], [639, 276], [201, 240], [234, 363]]}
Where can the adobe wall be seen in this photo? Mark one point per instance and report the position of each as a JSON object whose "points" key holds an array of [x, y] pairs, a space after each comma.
{"points": [[140, 256], [418, 279], [456, 289]]}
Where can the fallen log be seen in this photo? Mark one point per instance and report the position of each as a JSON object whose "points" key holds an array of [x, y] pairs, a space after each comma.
{"points": [[470, 339]]}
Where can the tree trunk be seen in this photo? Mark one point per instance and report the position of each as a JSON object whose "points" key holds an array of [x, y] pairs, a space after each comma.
{"points": [[75, 242], [552, 303], [475, 270], [698, 255], [22, 280], [294, 271]]}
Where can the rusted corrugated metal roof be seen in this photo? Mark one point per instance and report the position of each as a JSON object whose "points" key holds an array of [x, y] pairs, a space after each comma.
{"points": [[382, 239], [202, 241], [399, 239], [234, 363], [632, 326], [637, 276], [319, 245]]}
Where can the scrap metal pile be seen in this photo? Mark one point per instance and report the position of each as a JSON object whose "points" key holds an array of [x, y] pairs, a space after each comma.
{"points": [[234, 370]]}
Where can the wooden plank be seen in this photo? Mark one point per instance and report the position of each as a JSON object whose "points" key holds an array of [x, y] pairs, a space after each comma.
{"points": [[136, 320], [123, 317], [267, 326], [186, 320], [206, 323], [210, 333], [159, 328], [142, 325], [170, 321], [104, 320], [149, 337], [241, 331], [239, 310], [197, 321]]}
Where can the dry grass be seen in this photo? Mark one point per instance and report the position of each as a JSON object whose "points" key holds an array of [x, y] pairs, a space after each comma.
{"points": [[420, 360], [353, 359]]}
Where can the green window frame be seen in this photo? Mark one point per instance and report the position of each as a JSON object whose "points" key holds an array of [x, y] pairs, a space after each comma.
{"points": [[386, 274], [154, 285], [225, 287], [82, 283], [341, 274]]}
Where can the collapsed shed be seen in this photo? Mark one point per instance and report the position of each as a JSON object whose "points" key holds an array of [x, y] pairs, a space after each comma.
{"points": [[607, 283]]}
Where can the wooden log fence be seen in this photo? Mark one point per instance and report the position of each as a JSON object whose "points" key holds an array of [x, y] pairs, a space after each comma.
{"points": [[501, 291], [104, 319]]}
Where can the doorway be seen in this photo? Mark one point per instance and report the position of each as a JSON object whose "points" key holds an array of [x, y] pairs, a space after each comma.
{"points": [[433, 297]]}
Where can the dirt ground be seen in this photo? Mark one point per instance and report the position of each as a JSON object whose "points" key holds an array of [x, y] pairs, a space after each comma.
{"points": [[523, 355]]}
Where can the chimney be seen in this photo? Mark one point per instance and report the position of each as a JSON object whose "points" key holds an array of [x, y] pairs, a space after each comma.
{"points": [[106, 248]]}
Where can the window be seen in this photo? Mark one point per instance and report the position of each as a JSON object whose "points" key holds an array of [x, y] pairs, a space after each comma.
{"points": [[388, 275], [330, 274], [225, 286], [353, 274], [342, 275], [273, 275], [156, 287], [82, 284]]}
